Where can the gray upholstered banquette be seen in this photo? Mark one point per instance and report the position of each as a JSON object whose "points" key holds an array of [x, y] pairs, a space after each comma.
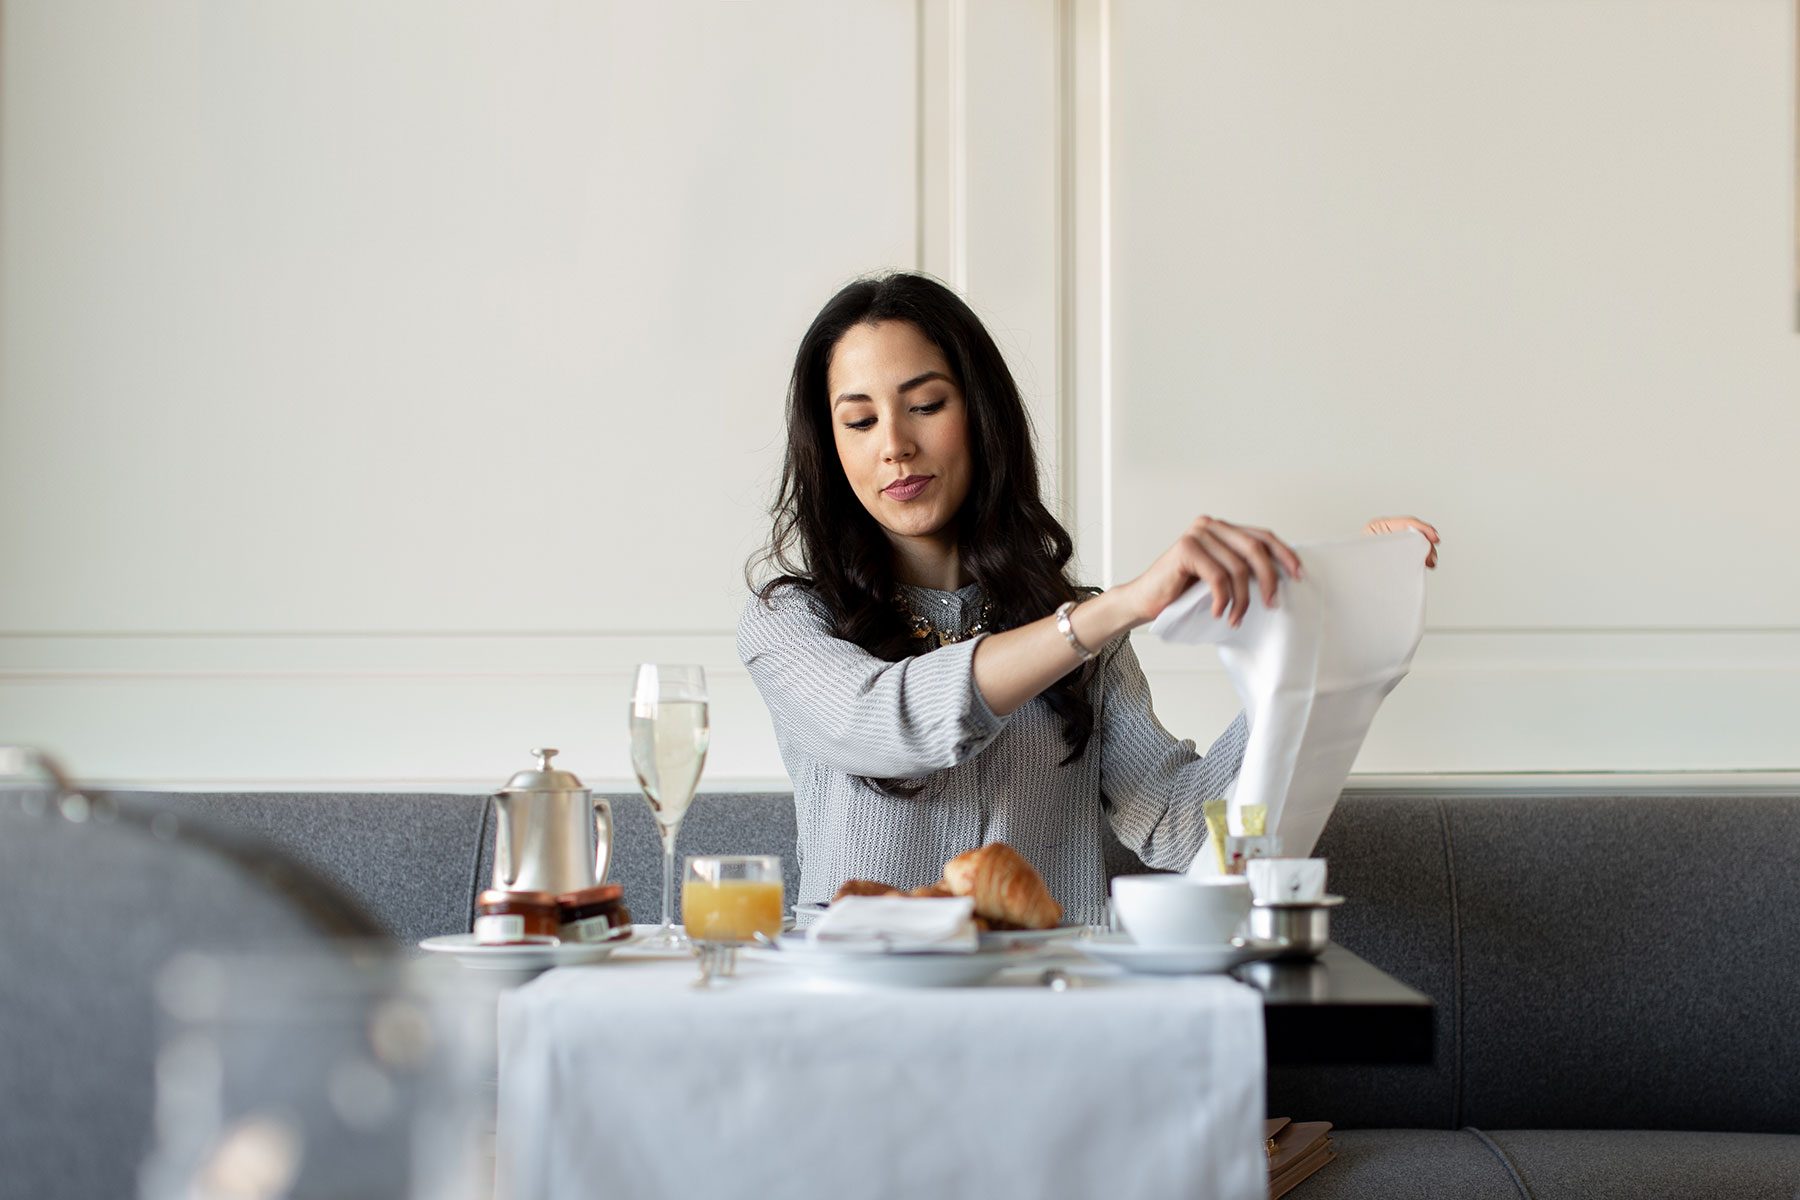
{"points": [[1617, 978]]}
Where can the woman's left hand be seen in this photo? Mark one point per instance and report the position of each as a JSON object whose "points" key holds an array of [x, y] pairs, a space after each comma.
{"points": [[1395, 524]]}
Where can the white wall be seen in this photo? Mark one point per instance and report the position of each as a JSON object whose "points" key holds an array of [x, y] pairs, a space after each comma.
{"points": [[379, 383]]}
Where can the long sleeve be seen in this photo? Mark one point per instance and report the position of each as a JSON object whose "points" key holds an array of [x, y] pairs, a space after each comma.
{"points": [[1155, 784], [847, 709]]}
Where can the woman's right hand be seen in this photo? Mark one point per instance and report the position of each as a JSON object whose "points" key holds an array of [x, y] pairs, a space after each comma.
{"points": [[1228, 558]]}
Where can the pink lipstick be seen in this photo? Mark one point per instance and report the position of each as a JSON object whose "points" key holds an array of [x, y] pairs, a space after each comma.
{"points": [[906, 489]]}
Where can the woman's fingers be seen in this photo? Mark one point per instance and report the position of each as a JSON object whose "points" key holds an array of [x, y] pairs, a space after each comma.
{"points": [[1280, 549], [1196, 563], [1255, 555], [1243, 551], [1224, 557], [1395, 524], [1207, 570], [1237, 571]]}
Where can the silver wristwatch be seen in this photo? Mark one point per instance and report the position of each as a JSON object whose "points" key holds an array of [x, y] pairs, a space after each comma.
{"points": [[1066, 627]]}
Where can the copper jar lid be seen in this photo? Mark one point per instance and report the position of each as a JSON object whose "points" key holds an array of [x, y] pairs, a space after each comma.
{"points": [[504, 899], [600, 893]]}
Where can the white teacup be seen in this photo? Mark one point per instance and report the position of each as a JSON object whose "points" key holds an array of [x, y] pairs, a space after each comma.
{"points": [[1180, 910], [1286, 880]]}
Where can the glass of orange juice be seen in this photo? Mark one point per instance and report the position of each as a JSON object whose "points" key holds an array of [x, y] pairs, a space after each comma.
{"points": [[726, 900]]}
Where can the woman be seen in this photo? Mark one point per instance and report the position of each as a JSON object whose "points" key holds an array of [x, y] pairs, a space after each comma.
{"points": [[935, 678]]}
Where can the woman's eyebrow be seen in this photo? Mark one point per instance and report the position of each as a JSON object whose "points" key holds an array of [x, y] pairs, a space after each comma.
{"points": [[909, 385]]}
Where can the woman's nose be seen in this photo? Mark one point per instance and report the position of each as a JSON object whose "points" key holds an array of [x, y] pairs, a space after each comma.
{"points": [[898, 447]]}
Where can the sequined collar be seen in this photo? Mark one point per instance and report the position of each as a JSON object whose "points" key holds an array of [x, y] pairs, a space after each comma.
{"points": [[930, 631]]}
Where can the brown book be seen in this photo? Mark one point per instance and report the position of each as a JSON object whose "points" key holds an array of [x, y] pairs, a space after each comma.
{"points": [[1300, 1170], [1295, 1151]]}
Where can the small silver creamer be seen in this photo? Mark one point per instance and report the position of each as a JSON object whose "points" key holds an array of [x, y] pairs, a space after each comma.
{"points": [[550, 833]]}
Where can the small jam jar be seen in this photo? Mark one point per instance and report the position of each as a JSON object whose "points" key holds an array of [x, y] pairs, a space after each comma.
{"points": [[593, 914], [502, 917]]}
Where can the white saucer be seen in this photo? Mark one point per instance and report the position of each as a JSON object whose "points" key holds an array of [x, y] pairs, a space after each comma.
{"points": [[1120, 950], [521, 956]]}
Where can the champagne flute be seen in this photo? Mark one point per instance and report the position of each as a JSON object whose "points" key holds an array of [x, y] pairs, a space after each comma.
{"points": [[669, 737]]}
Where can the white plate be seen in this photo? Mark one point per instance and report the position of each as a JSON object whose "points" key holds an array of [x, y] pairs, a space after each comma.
{"points": [[865, 968], [1174, 960], [524, 956], [993, 940], [1002, 938]]}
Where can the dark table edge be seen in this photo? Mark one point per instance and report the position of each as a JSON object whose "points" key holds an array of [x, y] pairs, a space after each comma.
{"points": [[1341, 1010]]}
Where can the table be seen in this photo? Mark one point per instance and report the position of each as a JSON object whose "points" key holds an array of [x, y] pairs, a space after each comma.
{"points": [[624, 1080], [1339, 1009]]}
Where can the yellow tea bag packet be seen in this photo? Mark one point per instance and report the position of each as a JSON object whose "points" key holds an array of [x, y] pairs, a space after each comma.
{"points": [[1255, 818], [1214, 811]]}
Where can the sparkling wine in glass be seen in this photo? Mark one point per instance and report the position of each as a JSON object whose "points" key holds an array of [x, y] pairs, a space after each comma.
{"points": [[669, 737]]}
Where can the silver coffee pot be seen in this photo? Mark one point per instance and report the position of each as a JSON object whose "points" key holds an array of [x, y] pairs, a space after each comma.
{"points": [[550, 833]]}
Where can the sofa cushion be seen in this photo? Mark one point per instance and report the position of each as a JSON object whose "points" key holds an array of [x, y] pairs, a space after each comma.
{"points": [[1560, 1164], [1628, 962], [1409, 1164], [410, 859], [1631, 1164]]}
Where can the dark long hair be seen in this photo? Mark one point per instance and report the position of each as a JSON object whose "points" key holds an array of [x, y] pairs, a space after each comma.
{"points": [[825, 540]]}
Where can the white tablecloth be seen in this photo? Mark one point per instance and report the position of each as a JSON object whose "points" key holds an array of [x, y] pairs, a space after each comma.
{"points": [[621, 1080]]}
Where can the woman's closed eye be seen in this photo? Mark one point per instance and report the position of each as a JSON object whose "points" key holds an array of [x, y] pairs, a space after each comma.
{"points": [[924, 410]]}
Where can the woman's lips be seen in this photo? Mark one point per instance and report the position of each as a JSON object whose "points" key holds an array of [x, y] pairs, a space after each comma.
{"points": [[908, 488]]}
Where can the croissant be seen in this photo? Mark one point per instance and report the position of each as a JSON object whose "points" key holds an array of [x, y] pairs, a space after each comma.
{"points": [[933, 891], [1004, 886], [865, 887]]}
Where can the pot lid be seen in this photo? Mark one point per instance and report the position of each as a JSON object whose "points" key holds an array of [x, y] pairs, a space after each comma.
{"points": [[546, 778]]}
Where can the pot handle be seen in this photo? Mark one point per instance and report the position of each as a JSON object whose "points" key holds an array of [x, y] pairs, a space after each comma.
{"points": [[504, 868], [602, 838]]}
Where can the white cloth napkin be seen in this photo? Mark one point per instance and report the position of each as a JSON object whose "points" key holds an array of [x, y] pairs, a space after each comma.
{"points": [[897, 923], [1312, 671]]}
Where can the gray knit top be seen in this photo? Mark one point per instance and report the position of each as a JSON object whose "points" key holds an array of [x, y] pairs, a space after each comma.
{"points": [[845, 719]]}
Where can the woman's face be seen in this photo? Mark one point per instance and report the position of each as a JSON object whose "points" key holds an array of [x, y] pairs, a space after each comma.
{"points": [[901, 428]]}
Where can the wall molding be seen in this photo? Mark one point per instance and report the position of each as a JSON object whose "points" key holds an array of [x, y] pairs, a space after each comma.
{"points": [[943, 116], [409, 713], [561, 656], [1448, 784]]}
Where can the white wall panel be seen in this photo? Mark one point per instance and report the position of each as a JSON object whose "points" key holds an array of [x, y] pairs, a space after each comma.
{"points": [[1521, 268], [422, 316]]}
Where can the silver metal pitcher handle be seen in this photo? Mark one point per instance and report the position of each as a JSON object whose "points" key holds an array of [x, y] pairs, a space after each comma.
{"points": [[603, 829], [505, 866]]}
